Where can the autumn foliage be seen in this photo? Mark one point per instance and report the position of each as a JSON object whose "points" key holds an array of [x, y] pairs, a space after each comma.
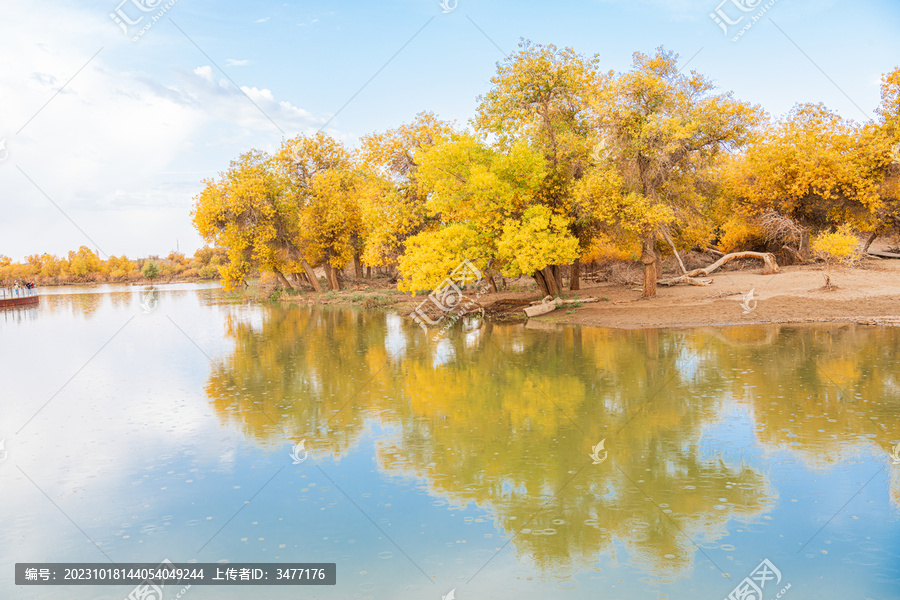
{"points": [[86, 266], [562, 163]]}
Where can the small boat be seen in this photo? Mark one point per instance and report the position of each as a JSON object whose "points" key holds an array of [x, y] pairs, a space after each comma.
{"points": [[18, 296]]}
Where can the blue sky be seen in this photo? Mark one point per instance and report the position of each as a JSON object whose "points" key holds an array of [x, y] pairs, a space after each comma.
{"points": [[113, 160]]}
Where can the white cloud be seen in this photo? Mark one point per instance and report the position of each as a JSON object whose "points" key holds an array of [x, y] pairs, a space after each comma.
{"points": [[262, 20], [236, 63], [121, 152]]}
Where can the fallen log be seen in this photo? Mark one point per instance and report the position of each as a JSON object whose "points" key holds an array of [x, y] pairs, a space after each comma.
{"points": [[880, 254], [540, 309], [545, 306], [684, 279], [767, 257]]}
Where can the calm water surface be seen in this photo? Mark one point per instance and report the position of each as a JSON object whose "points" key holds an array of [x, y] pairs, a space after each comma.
{"points": [[138, 429]]}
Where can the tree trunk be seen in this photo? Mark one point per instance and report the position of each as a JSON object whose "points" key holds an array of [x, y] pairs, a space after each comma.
{"points": [[541, 283], [870, 239], [311, 275], [331, 276], [546, 282], [368, 272], [358, 266], [557, 277], [804, 245], [284, 280], [648, 258], [491, 282], [575, 276]]}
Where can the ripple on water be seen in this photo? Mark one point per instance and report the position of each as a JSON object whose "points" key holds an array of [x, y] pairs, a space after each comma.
{"points": [[568, 584]]}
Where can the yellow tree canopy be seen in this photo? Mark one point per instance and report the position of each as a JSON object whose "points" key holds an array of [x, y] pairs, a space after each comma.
{"points": [[392, 202], [813, 166], [539, 95], [538, 239], [473, 190], [660, 131], [247, 212]]}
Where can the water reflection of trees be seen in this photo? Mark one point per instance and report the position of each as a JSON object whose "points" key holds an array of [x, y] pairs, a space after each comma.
{"points": [[821, 391], [497, 426], [77, 304], [504, 417]]}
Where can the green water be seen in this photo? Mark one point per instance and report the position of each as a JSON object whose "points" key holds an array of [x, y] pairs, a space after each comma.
{"points": [[138, 429]]}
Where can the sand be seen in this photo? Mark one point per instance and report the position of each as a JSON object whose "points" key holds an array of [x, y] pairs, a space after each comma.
{"points": [[869, 293]]}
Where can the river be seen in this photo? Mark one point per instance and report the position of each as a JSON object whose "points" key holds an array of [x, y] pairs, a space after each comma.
{"points": [[493, 462]]}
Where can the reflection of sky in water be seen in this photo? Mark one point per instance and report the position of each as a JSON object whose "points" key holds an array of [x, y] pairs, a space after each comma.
{"points": [[134, 453]]}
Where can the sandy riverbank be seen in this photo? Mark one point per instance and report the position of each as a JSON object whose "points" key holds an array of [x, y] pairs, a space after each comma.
{"points": [[867, 293]]}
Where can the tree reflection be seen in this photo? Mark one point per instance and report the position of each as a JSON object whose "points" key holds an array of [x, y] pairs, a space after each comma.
{"points": [[504, 417], [823, 392]]}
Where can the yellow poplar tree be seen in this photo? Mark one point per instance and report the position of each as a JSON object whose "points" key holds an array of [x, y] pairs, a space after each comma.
{"points": [[320, 186], [813, 167], [473, 190], [539, 95], [247, 212], [392, 202], [660, 130]]}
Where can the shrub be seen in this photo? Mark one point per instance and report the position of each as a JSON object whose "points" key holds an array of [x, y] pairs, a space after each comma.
{"points": [[150, 270], [835, 248]]}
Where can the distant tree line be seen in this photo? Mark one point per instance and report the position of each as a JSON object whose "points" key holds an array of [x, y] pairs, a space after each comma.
{"points": [[85, 266]]}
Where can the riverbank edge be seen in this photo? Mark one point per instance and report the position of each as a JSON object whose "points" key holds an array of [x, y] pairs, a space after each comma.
{"points": [[864, 296]]}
